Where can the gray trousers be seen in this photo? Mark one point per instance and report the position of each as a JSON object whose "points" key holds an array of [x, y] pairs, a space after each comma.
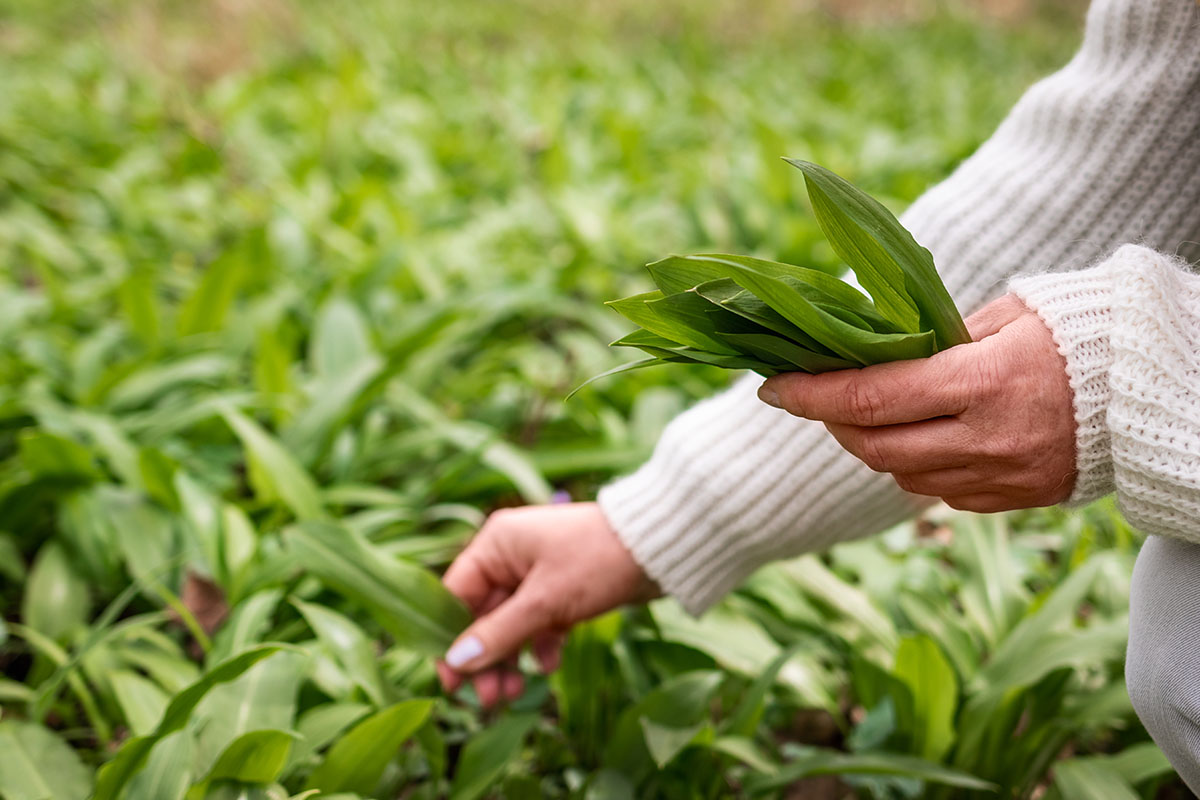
{"points": [[1162, 664]]}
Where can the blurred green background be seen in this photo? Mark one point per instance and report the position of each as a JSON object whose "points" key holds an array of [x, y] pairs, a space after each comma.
{"points": [[276, 275]]}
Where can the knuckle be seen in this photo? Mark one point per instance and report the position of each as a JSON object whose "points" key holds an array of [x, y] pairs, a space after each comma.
{"points": [[862, 402], [873, 454]]}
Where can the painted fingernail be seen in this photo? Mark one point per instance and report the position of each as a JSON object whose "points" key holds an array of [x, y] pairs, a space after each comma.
{"points": [[463, 651], [769, 396]]}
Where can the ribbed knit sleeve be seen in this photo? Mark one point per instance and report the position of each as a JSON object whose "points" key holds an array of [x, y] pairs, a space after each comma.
{"points": [[1103, 152], [1129, 330]]}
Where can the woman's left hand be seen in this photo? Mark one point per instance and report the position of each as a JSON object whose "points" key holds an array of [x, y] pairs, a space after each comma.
{"points": [[986, 426]]}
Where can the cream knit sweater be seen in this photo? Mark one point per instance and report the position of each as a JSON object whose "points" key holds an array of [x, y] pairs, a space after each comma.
{"points": [[1105, 152]]}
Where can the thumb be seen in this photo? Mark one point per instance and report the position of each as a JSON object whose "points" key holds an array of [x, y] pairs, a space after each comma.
{"points": [[501, 632]]}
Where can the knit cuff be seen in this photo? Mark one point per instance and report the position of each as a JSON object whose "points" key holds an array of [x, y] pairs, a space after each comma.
{"points": [[1077, 308]]}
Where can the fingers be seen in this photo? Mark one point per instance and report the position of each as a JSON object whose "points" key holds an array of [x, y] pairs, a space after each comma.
{"points": [[547, 649], [994, 316], [501, 632], [884, 394], [918, 447], [469, 578]]}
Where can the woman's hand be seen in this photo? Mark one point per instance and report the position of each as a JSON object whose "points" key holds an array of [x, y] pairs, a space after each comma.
{"points": [[529, 575], [986, 426]]}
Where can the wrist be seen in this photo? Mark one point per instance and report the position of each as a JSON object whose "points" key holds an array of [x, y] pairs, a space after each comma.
{"points": [[1077, 308]]}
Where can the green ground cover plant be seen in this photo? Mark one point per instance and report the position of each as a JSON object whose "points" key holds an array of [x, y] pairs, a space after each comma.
{"points": [[289, 299]]}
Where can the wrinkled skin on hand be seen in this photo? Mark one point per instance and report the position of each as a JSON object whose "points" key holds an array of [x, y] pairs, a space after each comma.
{"points": [[985, 426]]}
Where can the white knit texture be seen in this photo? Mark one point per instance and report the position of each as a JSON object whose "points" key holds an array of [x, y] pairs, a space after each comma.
{"points": [[1130, 332], [1104, 152]]}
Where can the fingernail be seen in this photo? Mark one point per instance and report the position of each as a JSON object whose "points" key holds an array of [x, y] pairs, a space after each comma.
{"points": [[769, 396], [463, 651]]}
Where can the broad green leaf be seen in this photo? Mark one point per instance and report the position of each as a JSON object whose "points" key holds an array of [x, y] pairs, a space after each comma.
{"points": [[1085, 778], [897, 272], [744, 718], [142, 701], [934, 686], [844, 339], [139, 301], [732, 297], [208, 303], [356, 762], [679, 702], [832, 762], [819, 288], [672, 317], [168, 770], [246, 624], [333, 403], [55, 602], [348, 645], [737, 643], [340, 339], [409, 601], [664, 742], [275, 473], [114, 775], [46, 455], [321, 725], [487, 754], [36, 765], [745, 750], [264, 697], [778, 350], [1139, 762], [255, 757], [143, 387]]}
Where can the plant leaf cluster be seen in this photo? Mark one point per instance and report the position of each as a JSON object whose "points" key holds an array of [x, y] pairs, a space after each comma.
{"points": [[739, 312]]}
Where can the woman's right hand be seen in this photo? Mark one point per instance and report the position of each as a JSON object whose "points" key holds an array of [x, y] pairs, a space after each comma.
{"points": [[528, 576]]}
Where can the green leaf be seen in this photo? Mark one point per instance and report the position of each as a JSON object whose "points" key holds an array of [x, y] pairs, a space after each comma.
{"points": [[114, 775], [46, 455], [897, 272], [142, 701], [630, 367], [264, 697], [255, 757], [744, 718], [36, 765], [321, 725], [356, 762], [921, 665], [208, 304], [1085, 778], [409, 601], [832, 762], [246, 624], [340, 339], [846, 340], [55, 602], [745, 750], [680, 702], [487, 754], [146, 385], [348, 645], [168, 770], [664, 742], [274, 472]]}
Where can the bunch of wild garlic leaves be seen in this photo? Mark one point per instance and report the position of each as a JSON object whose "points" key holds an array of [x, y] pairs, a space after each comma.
{"points": [[739, 312]]}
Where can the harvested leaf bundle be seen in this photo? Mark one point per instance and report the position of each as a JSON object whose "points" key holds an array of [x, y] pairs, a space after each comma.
{"points": [[739, 312]]}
